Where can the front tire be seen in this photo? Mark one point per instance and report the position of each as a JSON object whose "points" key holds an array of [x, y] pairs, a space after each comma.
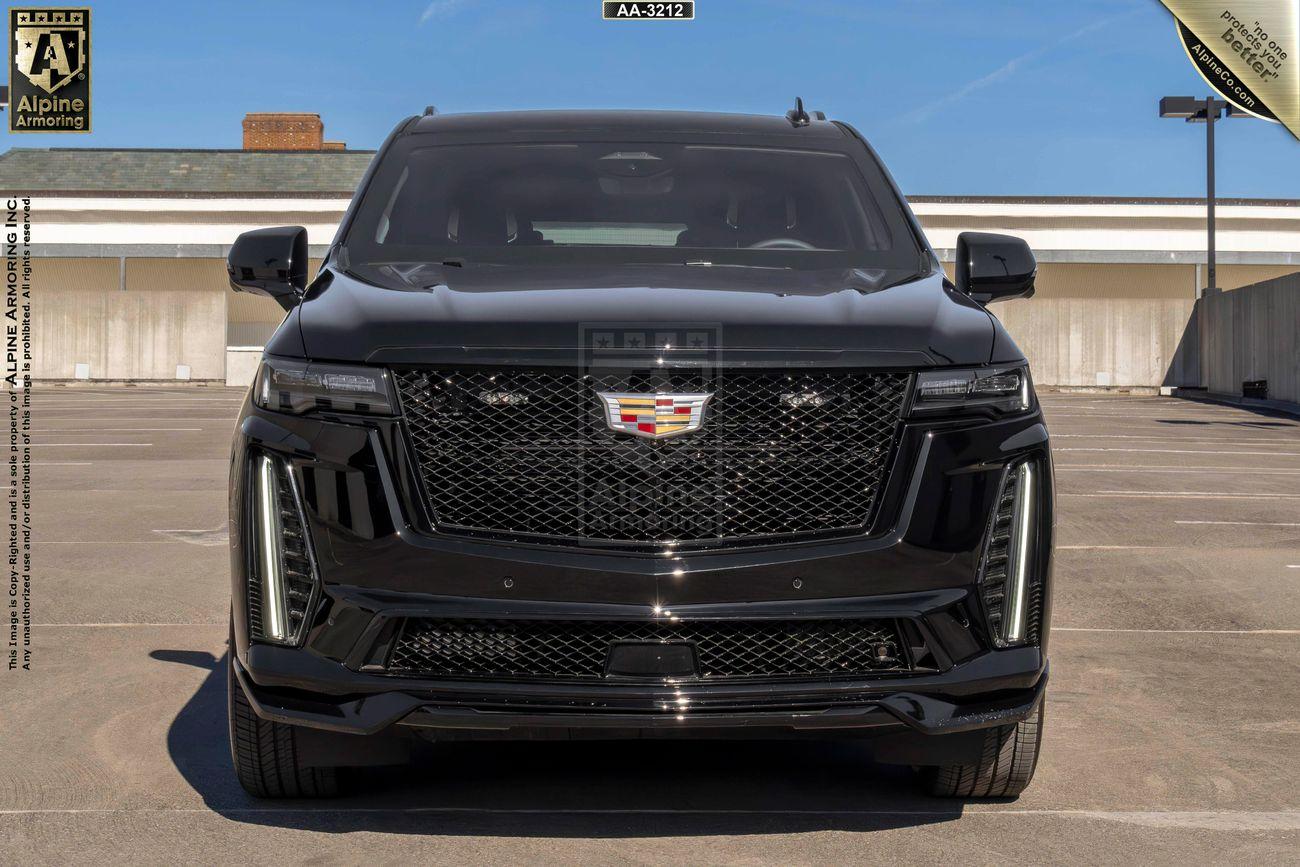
{"points": [[1004, 769], [266, 754]]}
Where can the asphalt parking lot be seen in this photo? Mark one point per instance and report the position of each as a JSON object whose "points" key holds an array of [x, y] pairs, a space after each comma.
{"points": [[1173, 717]]}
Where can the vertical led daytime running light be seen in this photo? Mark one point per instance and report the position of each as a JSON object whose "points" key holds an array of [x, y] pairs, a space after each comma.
{"points": [[275, 620], [1021, 553], [264, 377]]}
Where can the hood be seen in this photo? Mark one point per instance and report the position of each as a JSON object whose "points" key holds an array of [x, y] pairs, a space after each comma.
{"points": [[512, 314]]}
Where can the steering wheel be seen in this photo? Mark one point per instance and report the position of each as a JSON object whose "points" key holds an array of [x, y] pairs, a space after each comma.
{"points": [[782, 244]]}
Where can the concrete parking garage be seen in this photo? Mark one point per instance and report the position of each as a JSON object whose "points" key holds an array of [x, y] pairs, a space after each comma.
{"points": [[1173, 716]]}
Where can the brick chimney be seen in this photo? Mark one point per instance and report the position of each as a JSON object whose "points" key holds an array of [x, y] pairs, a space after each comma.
{"points": [[286, 131]]}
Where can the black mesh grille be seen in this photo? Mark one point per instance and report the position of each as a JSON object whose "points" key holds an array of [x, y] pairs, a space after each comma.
{"points": [[577, 649], [529, 452]]}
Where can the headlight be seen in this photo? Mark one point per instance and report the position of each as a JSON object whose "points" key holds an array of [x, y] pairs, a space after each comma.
{"points": [[298, 386], [996, 390]]}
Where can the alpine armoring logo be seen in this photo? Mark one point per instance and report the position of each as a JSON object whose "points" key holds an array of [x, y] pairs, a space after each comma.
{"points": [[1247, 51], [1217, 74], [49, 70]]}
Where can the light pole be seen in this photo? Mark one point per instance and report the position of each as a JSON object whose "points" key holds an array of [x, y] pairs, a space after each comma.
{"points": [[1205, 111]]}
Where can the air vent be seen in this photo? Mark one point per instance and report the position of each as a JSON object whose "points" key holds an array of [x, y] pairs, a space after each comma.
{"points": [[1010, 587], [282, 582]]}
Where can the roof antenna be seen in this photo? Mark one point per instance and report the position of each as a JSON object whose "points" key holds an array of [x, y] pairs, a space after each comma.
{"points": [[797, 116], [430, 110]]}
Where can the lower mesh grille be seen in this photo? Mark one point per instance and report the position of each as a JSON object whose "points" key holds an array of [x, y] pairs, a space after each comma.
{"points": [[578, 649]]}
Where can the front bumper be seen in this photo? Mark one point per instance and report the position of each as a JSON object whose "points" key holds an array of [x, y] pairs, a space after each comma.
{"points": [[380, 562], [963, 686], [921, 704]]}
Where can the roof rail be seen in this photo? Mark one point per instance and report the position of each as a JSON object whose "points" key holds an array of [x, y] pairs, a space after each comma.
{"points": [[430, 110]]}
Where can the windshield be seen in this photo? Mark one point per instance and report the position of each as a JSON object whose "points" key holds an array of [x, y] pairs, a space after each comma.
{"points": [[629, 202]]}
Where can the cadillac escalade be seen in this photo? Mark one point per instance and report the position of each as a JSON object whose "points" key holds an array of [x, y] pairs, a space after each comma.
{"points": [[637, 424]]}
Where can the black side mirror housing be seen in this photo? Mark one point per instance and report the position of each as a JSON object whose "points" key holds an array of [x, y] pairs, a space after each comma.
{"points": [[994, 267], [270, 262]]}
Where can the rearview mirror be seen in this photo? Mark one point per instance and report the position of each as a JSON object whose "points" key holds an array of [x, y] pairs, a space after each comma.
{"points": [[270, 262], [994, 267]]}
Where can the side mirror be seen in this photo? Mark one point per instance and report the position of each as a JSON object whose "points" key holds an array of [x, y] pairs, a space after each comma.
{"points": [[270, 262], [994, 267]]}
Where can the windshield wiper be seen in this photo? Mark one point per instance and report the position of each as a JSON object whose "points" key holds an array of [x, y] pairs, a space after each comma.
{"points": [[701, 263]]}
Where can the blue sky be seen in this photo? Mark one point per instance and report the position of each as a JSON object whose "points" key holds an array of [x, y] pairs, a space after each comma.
{"points": [[1005, 97]]}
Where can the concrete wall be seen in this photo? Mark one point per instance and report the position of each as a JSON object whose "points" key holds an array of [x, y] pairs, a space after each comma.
{"points": [[127, 319], [1089, 324], [252, 318], [1253, 333], [1104, 341], [139, 318], [1135, 259], [241, 365], [1118, 325]]}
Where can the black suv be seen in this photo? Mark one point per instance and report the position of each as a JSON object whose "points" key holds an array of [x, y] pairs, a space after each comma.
{"points": [[637, 424]]}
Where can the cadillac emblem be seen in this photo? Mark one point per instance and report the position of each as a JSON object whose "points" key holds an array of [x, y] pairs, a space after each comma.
{"points": [[654, 416]]}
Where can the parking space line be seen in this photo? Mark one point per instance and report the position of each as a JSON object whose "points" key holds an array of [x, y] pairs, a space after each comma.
{"points": [[1198, 493], [1218, 471], [105, 404], [132, 398], [1182, 495], [1181, 418], [1160, 438], [124, 625], [1186, 467], [1152, 412], [1178, 631], [125, 491], [1162, 406], [107, 541], [109, 429], [1179, 452], [1243, 523], [76, 445], [1116, 547]]}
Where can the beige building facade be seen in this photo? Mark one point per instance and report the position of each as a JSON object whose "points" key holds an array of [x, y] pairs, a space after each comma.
{"points": [[130, 280]]}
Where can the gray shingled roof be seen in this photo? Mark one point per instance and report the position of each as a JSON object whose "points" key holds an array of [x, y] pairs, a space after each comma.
{"points": [[305, 174], [182, 172]]}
